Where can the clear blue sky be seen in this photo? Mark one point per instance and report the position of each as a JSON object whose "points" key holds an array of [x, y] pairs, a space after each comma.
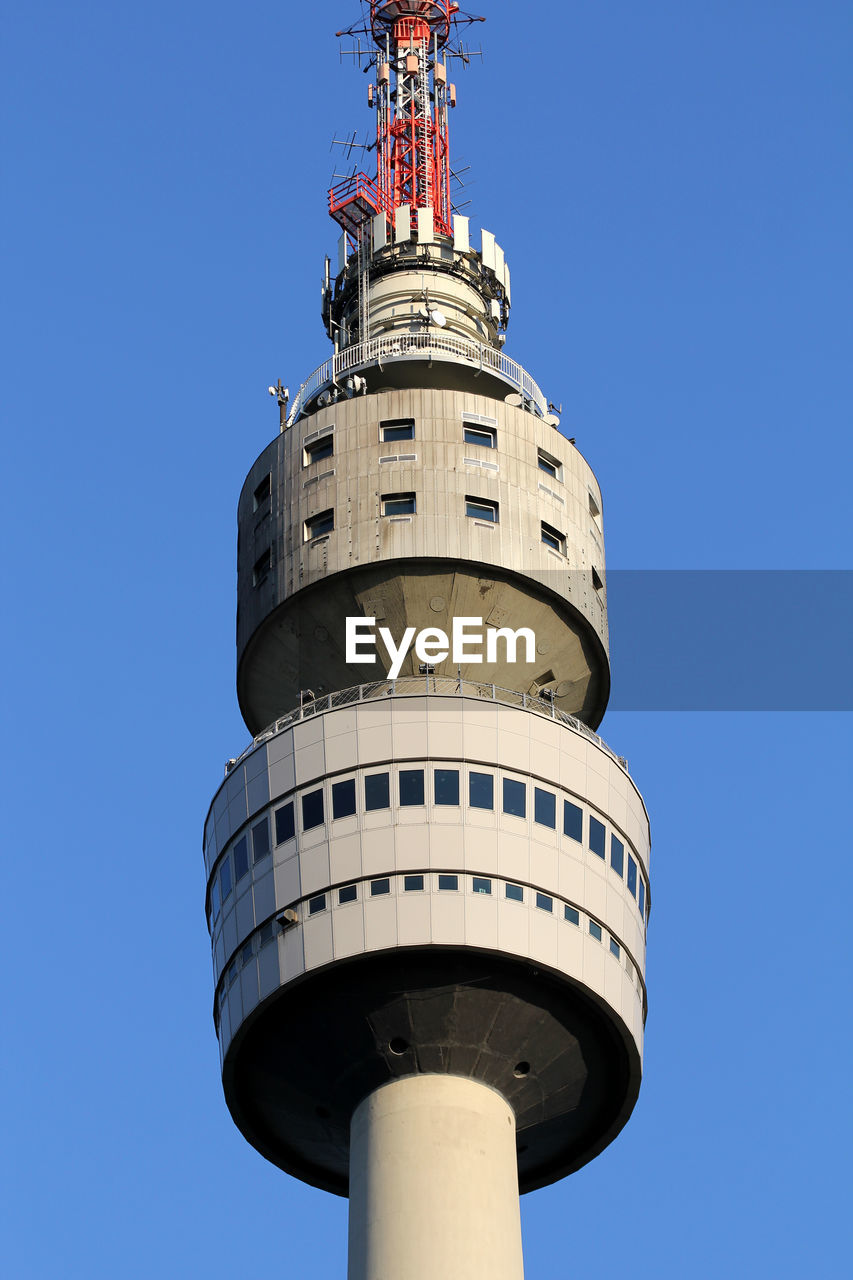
{"points": [[672, 185]]}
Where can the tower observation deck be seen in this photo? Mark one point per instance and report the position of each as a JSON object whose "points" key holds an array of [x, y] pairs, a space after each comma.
{"points": [[427, 876]]}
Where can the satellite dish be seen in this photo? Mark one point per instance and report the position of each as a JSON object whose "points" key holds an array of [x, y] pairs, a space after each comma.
{"points": [[514, 399], [552, 420], [423, 313], [438, 318]]}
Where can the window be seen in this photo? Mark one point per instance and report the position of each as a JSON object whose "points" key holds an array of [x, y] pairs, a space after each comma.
{"points": [[349, 893], [412, 884], [481, 791], [615, 948], [343, 798], [515, 798], [595, 510], [285, 823], [481, 509], [572, 915], [317, 449], [261, 567], [641, 897], [632, 876], [377, 791], [312, 810], [481, 885], [225, 879], [553, 538], [515, 893], [446, 783], [596, 836], [397, 429], [316, 904], [487, 437], [231, 972], [319, 525], [448, 882], [241, 858], [380, 887], [595, 930], [260, 840], [398, 504], [551, 466], [265, 934], [544, 808], [617, 854], [215, 900], [411, 786], [572, 821], [597, 581], [247, 951], [262, 492], [543, 902]]}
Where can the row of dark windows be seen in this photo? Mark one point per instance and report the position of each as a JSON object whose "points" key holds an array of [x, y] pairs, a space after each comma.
{"points": [[515, 801]]}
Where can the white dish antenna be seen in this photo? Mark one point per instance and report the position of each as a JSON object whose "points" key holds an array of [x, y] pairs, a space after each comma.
{"points": [[438, 318]]}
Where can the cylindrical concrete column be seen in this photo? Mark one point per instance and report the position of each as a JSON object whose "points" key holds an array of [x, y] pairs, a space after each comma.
{"points": [[433, 1183]]}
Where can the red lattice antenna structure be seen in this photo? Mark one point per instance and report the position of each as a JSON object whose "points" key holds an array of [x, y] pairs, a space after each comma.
{"points": [[411, 97]]}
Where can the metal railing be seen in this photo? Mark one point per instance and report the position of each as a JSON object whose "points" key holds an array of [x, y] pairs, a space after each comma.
{"points": [[393, 345], [417, 686]]}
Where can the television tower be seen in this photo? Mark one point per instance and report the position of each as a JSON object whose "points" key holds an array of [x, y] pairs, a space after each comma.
{"points": [[427, 876]]}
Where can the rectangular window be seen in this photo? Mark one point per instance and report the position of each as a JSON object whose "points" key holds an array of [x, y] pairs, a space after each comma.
{"points": [[379, 887], [317, 449], [617, 855], [377, 791], [215, 900], [481, 509], [225, 879], [262, 492], [595, 510], [231, 972], [632, 876], [571, 915], [596, 836], [481, 885], [397, 429], [615, 948], [285, 823], [260, 840], [544, 903], [481, 790], [312, 810], [486, 437], [261, 567], [515, 893], [322, 523], [317, 904], [412, 884], [448, 882], [544, 808], [411, 786], [398, 504], [551, 466], [343, 798], [641, 897], [349, 893], [515, 798], [247, 951], [595, 930], [446, 783], [597, 581], [265, 934], [572, 821], [241, 858], [553, 538]]}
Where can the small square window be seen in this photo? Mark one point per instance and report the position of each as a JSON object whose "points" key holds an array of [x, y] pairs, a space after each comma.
{"points": [[486, 437], [572, 821], [544, 808], [260, 840], [446, 782], [550, 465], [225, 879], [312, 810], [285, 825], [343, 798], [241, 858], [515, 798], [380, 887], [318, 449], [412, 884], [411, 787], [632, 876], [317, 904], [544, 903], [349, 893], [617, 855], [596, 836], [615, 948], [448, 882], [641, 897], [317, 526], [261, 567], [595, 930], [262, 492], [553, 538], [377, 791], [572, 915], [481, 885], [481, 790], [515, 892], [397, 429], [481, 509], [398, 504]]}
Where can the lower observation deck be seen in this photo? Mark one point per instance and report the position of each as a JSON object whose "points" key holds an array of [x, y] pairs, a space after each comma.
{"points": [[392, 353]]}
